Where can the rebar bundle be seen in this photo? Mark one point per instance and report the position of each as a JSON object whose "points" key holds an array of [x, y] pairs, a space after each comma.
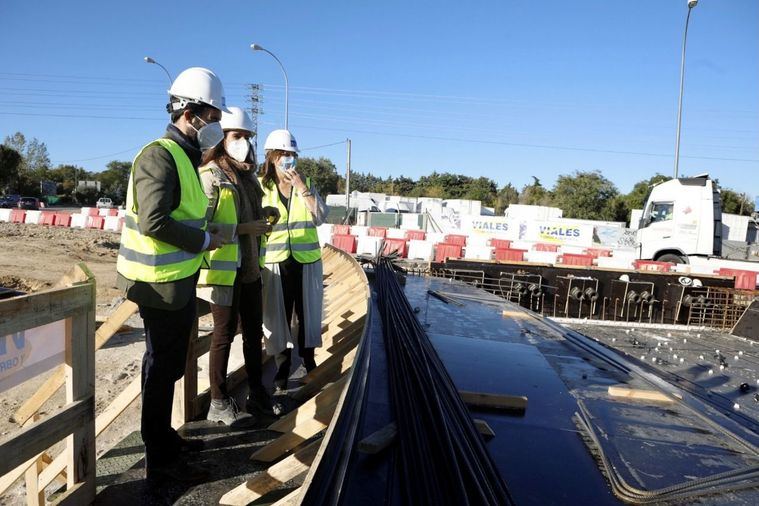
{"points": [[441, 456]]}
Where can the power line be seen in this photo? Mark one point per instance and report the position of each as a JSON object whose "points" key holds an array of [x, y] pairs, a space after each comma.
{"points": [[97, 157], [322, 146]]}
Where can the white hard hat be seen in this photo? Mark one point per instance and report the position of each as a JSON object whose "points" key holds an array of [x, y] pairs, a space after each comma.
{"points": [[282, 140], [237, 119], [197, 85]]}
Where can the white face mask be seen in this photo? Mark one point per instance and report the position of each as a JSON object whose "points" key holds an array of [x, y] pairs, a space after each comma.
{"points": [[238, 149], [287, 163], [209, 135]]}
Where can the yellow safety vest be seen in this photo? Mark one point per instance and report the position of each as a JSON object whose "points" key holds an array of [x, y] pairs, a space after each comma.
{"points": [[294, 233], [142, 258], [220, 265]]}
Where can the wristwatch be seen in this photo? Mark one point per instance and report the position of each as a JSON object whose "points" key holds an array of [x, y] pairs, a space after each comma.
{"points": [[307, 193]]}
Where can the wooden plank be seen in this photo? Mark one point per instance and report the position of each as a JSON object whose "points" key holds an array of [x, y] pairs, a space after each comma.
{"points": [[494, 401], [290, 499], [483, 428], [35, 495], [379, 440], [80, 383], [638, 394], [290, 440], [290, 468], [125, 310], [33, 310], [20, 446], [330, 372], [309, 409], [186, 388], [75, 496]]}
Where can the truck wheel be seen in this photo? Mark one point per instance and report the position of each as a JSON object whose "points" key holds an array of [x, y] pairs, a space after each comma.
{"points": [[672, 258]]}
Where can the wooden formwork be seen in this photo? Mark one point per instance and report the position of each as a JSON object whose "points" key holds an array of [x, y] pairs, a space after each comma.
{"points": [[346, 306], [24, 450]]}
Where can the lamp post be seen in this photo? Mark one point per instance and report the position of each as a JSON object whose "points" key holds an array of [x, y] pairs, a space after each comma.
{"points": [[148, 59], [691, 5], [256, 47]]}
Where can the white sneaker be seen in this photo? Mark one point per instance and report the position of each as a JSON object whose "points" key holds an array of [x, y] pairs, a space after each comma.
{"points": [[226, 411]]}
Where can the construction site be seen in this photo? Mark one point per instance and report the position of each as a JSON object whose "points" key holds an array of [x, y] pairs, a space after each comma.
{"points": [[513, 290]]}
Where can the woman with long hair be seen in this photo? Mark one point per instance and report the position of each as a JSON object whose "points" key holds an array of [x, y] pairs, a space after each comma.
{"points": [[230, 277], [292, 266]]}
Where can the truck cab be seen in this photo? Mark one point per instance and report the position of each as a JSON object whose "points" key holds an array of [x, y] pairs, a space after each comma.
{"points": [[682, 218]]}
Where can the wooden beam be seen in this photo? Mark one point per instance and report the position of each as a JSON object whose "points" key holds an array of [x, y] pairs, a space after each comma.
{"points": [[290, 440], [290, 499], [330, 372], [483, 428], [377, 441], [290, 468], [33, 310], [639, 395], [310, 409], [107, 330], [30, 441], [494, 401]]}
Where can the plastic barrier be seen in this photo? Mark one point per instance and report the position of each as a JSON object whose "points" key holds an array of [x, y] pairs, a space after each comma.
{"points": [[32, 217], [396, 233], [509, 255], [744, 280], [546, 247], [378, 232], [113, 212], [18, 215], [62, 220], [47, 219], [500, 243], [421, 250], [113, 223], [341, 229], [80, 220], [650, 265], [5, 215], [344, 242], [447, 250], [368, 245], [103, 212], [395, 246], [415, 235], [573, 259], [97, 222], [478, 252], [459, 240], [598, 252], [90, 211]]}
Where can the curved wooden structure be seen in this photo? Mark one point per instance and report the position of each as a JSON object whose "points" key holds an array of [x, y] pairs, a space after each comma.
{"points": [[345, 316]]}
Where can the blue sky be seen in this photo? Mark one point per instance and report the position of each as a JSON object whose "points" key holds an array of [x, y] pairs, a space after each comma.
{"points": [[505, 89]]}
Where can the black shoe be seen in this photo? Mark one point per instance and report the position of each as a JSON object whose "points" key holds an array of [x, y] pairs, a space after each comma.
{"points": [[277, 406], [175, 470], [259, 401]]}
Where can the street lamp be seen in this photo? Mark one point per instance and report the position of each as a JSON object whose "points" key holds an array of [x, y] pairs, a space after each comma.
{"points": [[691, 5], [256, 47], [148, 59]]}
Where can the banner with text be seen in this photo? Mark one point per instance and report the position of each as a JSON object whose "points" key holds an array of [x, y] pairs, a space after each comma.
{"points": [[30, 352]]}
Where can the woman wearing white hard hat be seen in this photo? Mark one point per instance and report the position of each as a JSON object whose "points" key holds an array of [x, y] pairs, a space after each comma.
{"points": [[230, 277], [292, 261]]}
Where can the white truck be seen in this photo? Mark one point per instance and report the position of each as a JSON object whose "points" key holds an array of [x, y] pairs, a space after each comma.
{"points": [[682, 222]]}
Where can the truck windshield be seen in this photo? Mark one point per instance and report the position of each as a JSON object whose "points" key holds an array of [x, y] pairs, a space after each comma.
{"points": [[662, 211]]}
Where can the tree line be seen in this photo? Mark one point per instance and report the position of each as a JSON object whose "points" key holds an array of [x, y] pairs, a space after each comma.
{"points": [[25, 168]]}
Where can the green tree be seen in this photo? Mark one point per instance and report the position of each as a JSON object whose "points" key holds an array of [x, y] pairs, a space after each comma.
{"points": [[322, 172], [636, 199], [483, 189], [736, 203], [535, 194], [10, 160], [505, 197], [114, 180], [585, 195]]}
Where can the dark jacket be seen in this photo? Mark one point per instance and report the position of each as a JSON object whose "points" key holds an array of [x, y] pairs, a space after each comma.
{"points": [[158, 192]]}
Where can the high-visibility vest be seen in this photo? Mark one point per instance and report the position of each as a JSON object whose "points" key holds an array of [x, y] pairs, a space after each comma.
{"points": [[220, 265], [294, 233], [143, 258]]}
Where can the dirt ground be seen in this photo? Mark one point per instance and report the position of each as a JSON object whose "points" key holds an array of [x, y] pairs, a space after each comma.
{"points": [[32, 258]]}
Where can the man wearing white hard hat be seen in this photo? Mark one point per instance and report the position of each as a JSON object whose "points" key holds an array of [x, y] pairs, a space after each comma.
{"points": [[292, 261], [162, 243], [230, 278]]}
